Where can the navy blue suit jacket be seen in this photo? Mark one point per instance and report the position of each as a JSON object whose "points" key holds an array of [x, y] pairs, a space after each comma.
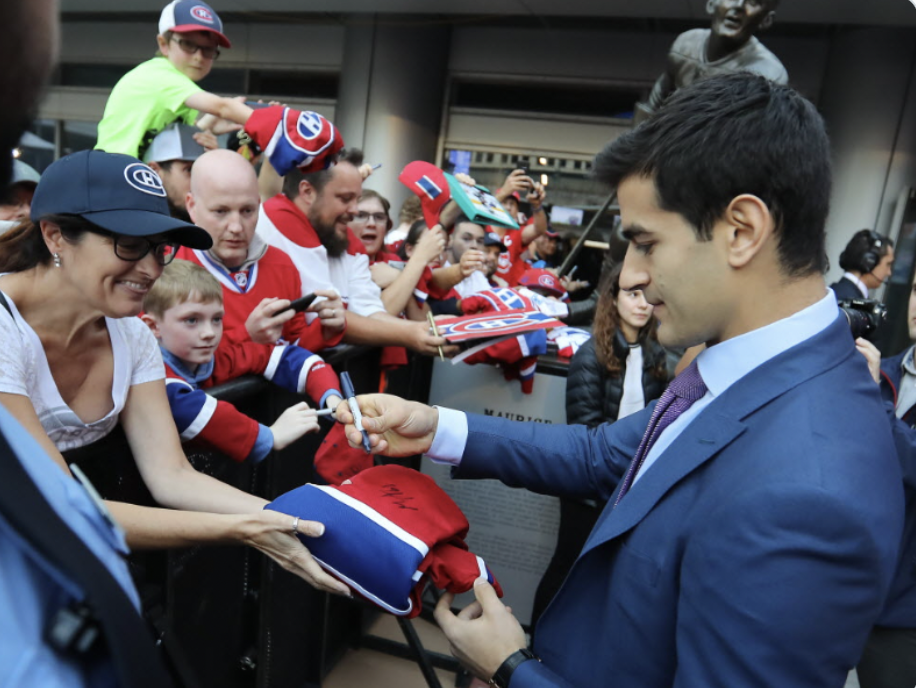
{"points": [[757, 551], [900, 610], [845, 289]]}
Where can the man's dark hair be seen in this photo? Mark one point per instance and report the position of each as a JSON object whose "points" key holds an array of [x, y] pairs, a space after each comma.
{"points": [[730, 135], [319, 179], [865, 250]]}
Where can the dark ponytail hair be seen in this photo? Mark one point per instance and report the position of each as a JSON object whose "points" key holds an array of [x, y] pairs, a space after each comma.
{"points": [[23, 247]]}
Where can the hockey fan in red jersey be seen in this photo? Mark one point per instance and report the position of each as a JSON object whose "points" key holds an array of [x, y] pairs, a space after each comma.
{"points": [[258, 281], [511, 265]]}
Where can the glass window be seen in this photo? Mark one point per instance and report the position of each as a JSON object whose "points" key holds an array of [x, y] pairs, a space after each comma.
{"points": [[77, 136]]}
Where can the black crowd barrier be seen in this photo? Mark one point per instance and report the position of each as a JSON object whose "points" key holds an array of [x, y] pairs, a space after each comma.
{"points": [[228, 616]]}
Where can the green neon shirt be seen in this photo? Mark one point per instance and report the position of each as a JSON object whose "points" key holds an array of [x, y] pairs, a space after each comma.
{"points": [[145, 101]]}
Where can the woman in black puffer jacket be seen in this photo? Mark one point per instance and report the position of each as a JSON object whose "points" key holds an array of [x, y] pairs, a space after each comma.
{"points": [[615, 373], [602, 385]]}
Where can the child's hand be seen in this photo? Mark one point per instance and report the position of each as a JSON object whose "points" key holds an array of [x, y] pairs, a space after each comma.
{"points": [[292, 424]]}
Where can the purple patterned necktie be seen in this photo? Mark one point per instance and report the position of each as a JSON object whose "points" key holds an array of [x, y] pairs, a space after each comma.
{"points": [[685, 389]]}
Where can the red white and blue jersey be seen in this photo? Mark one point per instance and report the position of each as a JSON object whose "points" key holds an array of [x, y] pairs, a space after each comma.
{"points": [[388, 530], [283, 225], [201, 417], [272, 275]]}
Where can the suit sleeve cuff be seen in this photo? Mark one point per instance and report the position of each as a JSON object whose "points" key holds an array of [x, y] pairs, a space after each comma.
{"points": [[451, 437]]}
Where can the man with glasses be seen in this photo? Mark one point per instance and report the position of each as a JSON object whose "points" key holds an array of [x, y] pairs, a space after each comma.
{"points": [[164, 89]]}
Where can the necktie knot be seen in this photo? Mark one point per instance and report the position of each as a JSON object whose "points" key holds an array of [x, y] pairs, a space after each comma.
{"points": [[689, 384], [680, 395]]}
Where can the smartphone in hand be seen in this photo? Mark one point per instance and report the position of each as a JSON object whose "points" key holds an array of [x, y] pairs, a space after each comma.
{"points": [[300, 305]]}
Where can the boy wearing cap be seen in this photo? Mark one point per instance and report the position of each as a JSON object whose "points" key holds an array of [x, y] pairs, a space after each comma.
{"points": [[163, 90], [184, 310]]}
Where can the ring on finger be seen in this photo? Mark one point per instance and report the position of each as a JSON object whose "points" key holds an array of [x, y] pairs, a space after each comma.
{"points": [[295, 525]]}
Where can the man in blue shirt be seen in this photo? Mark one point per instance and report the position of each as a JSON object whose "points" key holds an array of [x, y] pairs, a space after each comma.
{"points": [[754, 513]]}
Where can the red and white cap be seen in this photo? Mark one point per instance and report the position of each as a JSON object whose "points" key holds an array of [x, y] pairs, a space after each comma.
{"points": [[539, 278], [429, 183], [182, 16]]}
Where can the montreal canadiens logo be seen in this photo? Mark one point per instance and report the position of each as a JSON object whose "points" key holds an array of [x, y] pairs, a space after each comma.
{"points": [[495, 323], [202, 13], [547, 281], [144, 179], [310, 125]]}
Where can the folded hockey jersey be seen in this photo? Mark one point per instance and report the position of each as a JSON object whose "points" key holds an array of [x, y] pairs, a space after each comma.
{"points": [[388, 531]]}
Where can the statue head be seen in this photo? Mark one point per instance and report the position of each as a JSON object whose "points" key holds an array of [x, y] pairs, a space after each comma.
{"points": [[736, 21]]}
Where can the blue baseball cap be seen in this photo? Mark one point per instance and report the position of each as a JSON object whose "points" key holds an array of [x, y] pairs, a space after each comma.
{"points": [[115, 192], [182, 16]]}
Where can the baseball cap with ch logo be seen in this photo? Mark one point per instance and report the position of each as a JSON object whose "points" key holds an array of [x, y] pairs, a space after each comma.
{"points": [[115, 192]]}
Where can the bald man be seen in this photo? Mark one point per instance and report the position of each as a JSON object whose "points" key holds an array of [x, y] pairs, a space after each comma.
{"points": [[258, 281]]}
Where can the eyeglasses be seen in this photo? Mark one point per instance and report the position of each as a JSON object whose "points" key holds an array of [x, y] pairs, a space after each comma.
{"points": [[190, 47], [133, 248], [380, 218]]}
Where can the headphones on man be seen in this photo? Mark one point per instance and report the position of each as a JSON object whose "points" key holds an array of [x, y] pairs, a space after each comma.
{"points": [[864, 251]]}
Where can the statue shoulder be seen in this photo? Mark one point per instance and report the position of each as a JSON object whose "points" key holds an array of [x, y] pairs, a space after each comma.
{"points": [[690, 44], [764, 62]]}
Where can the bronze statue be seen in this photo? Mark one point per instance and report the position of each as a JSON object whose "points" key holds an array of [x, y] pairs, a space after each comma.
{"points": [[728, 46]]}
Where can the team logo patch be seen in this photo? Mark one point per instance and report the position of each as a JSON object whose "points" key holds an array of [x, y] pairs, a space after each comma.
{"points": [[429, 187], [547, 281], [203, 14], [241, 279], [143, 178], [310, 125], [489, 325]]}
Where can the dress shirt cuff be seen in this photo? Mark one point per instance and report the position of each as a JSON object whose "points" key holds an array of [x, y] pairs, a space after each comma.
{"points": [[451, 437]]}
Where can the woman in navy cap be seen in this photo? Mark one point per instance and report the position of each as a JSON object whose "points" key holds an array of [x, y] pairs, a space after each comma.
{"points": [[74, 360]]}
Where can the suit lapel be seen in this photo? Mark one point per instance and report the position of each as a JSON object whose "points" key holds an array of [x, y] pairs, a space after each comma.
{"points": [[719, 424]]}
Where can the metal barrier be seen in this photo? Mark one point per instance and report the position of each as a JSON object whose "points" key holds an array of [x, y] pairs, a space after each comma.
{"points": [[232, 617]]}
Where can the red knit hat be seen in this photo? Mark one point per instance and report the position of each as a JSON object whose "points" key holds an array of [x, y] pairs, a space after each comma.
{"points": [[387, 530]]}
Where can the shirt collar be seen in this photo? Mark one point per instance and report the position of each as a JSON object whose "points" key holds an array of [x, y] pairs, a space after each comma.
{"points": [[859, 283], [256, 250], [204, 370], [727, 362], [907, 363]]}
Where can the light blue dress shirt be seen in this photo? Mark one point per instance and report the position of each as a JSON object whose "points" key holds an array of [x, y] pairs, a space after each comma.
{"points": [[31, 589], [721, 366]]}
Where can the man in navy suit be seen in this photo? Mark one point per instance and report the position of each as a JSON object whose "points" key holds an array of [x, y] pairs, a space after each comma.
{"points": [[868, 261], [755, 543]]}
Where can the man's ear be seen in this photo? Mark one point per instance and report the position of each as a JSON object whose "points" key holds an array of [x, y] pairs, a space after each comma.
{"points": [[153, 323], [750, 226], [710, 7], [155, 167], [307, 192], [163, 43], [767, 21], [190, 205]]}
